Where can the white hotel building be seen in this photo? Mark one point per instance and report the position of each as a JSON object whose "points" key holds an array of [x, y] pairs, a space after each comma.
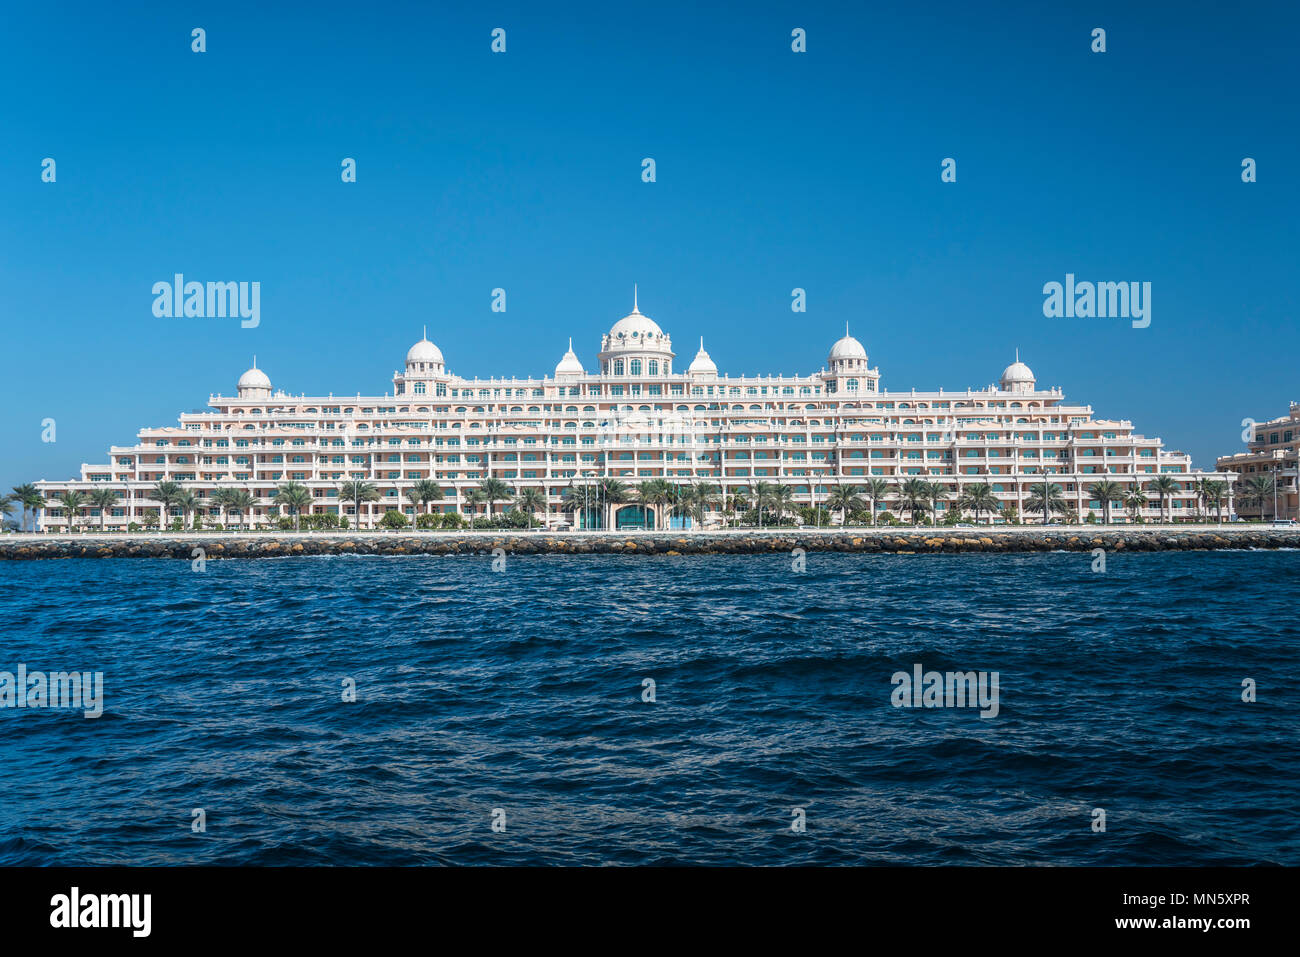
{"points": [[636, 416]]}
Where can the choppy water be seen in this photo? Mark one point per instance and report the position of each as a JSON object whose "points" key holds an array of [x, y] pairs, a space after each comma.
{"points": [[522, 690]]}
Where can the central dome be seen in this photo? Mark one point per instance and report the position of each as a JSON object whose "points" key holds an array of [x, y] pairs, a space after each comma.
{"points": [[424, 351], [848, 348], [1017, 372], [636, 332], [634, 327], [1018, 377], [254, 378]]}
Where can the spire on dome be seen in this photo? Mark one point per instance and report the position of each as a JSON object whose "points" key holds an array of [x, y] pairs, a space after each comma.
{"points": [[634, 308]]}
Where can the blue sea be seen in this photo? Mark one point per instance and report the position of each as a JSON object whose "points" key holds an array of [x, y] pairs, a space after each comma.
{"points": [[517, 696]]}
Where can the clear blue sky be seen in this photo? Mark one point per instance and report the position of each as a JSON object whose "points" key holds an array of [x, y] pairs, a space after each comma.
{"points": [[522, 170]]}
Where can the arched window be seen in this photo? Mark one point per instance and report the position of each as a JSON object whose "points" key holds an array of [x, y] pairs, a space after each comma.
{"points": [[419, 388], [634, 366], [618, 367], [851, 385], [653, 367]]}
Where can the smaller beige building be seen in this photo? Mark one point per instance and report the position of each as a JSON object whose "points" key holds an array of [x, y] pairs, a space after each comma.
{"points": [[1274, 449]]}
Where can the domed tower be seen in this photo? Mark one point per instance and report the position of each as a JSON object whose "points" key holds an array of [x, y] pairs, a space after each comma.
{"points": [[636, 346], [569, 365], [702, 366], [1018, 377], [848, 356], [847, 368], [424, 365], [254, 384]]}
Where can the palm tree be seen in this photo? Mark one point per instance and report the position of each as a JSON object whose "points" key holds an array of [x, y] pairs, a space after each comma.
{"points": [[935, 492], [103, 499], [494, 490], [29, 496], [1135, 500], [875, 489], [166, 493], [1200, 501], [612, 492], [782, 501], [979, 498], [530, 501], [1214, 492], [844, 499], [586, 498], [1258, 491], [736, 503], [571, 502], [240, 501], [7, 503], [1106, 492], [71, 501], [1046, 499], [698, 498], [913, 495], [473, 499], [1164, 486], [187, 502], [429, 491], [677, 501], [358, 491], [218, 500], [294, 496], [762, 496], [654, 493], [413, 496]]}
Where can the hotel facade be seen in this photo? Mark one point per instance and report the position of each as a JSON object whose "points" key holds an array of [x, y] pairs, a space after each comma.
{"points": [[1273, 451], [635, 416]]}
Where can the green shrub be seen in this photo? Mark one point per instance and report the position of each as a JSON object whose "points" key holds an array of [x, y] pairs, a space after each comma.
{"points": [[393, 519]]}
